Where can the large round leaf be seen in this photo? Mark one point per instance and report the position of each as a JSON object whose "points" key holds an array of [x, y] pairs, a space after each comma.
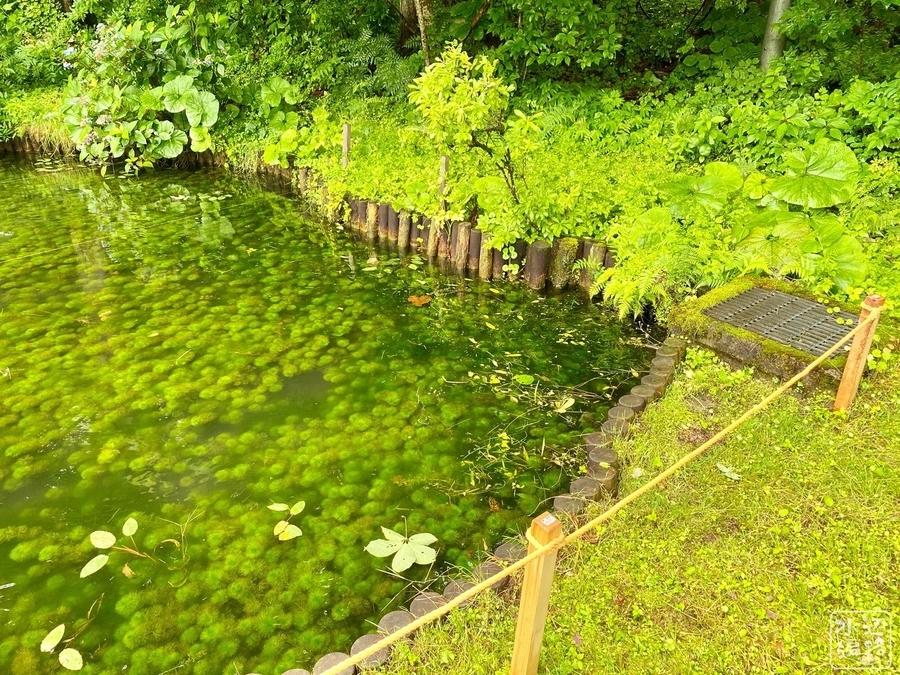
{"points": [[820, 176], [202, 108]]}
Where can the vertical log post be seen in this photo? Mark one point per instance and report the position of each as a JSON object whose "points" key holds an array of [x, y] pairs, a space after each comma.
{"points": [[404, 231], [474, 250], [535, 597], [461, 254], [859, 354], [561, 260], [537, 261], [485, 260], [302, 180], [372, 221], [345, 157]]}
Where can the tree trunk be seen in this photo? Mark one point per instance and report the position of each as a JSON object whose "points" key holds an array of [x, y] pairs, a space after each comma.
{"points": [[773, 40], [423, 10], [408, 21]]}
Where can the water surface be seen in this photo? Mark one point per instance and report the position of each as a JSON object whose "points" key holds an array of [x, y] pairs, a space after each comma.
{"points": [[186, 349]]}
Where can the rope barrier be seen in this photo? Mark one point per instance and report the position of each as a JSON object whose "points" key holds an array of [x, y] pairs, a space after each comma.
{"points": [[561, 541]]}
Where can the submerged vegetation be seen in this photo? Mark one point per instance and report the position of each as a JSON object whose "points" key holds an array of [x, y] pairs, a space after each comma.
{"points": [[220, 364]]}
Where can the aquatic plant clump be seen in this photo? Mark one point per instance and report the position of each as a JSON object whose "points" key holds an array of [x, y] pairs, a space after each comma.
{"points": [[184, 351]]}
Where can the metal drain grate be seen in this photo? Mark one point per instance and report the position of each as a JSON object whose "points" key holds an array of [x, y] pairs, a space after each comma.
{"points": [[795, 322]]}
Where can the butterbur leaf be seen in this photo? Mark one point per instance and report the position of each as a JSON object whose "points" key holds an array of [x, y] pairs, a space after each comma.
{"points": [[382, 548], [94, 565], [70, 659], [48, 644], [297, 508], [728, 472], [820, 176], [103, 539], [290, 532], [130, 527], [278, 507], [424, 539], [280, 527], [390, 535]]}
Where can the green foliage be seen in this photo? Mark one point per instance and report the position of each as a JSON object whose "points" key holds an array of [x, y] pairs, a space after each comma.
{"points": [[144, 91]]}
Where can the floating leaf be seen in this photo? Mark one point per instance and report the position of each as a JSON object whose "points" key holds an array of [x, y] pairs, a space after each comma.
{"points": [[382, 548], [424, 539], [297, 508], [103, 539], [71, 659], [290, 532], [729, 472], [48, 644], [130, 527], [565, 405], [127, 571], [94, 565], [280, 527], [404, 559], [419, 300], [524, 379], [425, 555], [390, 535], [278, 507]]}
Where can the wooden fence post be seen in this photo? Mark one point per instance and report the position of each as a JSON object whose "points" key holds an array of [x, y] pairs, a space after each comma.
{"points": [[345, 158], [535, 597], [859, 354]]}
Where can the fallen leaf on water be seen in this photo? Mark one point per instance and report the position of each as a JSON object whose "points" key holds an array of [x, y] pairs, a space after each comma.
{"points": [[104, 315], [419, 300], [128, 572]]}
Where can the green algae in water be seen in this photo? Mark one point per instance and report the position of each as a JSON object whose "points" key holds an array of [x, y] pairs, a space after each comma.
{"points": [[186, 349]]}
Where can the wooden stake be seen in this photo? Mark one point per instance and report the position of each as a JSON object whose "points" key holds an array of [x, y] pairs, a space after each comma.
{"points": [[859, 355], [372, 221], [535, 597], [485, 260], [404, 231], [345, 158], [461, 253]]}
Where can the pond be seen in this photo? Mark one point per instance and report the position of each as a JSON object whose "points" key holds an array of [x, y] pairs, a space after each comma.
{"points": [[186, 349]]}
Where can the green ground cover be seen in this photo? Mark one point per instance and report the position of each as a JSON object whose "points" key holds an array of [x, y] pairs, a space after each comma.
{"points": [[710, 574]]}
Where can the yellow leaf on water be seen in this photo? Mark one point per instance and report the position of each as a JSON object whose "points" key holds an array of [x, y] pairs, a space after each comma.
{"points": [[128, 572]]}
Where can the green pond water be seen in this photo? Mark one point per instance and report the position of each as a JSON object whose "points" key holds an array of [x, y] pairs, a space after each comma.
{"points": [[188, 348]]}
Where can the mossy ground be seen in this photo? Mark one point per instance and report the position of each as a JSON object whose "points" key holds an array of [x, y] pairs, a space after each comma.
{"points": [[708, 574]]}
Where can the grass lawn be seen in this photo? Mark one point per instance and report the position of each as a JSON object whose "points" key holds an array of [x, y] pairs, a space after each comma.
{"points": [[710, 574]]}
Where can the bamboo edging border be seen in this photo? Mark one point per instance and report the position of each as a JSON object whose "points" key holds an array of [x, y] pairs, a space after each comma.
{"points": [[874, 312]]}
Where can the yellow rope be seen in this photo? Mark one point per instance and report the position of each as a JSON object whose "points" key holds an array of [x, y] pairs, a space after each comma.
{"points": [[561, 541]]}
